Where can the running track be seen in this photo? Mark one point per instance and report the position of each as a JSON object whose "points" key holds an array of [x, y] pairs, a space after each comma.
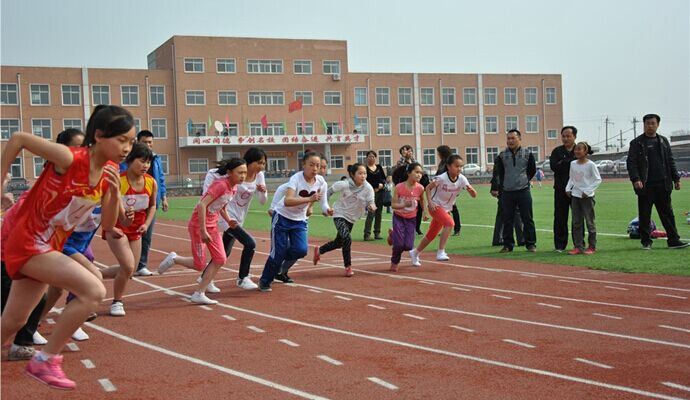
{"points": [[470, 328]]}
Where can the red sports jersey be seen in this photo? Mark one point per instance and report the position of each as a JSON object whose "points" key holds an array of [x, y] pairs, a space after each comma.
{"points": [[136, 200]]}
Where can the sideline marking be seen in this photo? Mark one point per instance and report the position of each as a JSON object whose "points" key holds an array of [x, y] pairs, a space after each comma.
{"points": [[596, 364], [255, 329], [676, 386], [462, 329], [414, 316], [289, 342], [229, 318], [529, 275], [523, 344], [382, 383], [315, 291], [343, 298], [376, 307], [671, 296], [427, 282], [329, 360], [567, 281], [502, 297], [675, 328], [107, 385], [549, 305], [207, 308], [606, 316], [72, 346], [88, 364], [460, 288], [616, 288]]}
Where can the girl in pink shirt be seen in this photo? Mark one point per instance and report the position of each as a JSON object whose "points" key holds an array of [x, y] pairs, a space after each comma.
{"points": [[406, 196]]}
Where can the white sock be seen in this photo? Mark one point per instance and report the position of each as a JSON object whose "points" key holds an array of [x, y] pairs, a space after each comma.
{"points": [[42, 356]]}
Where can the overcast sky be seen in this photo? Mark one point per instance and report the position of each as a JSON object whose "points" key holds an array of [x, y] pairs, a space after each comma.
{"points": [[620, 59]]}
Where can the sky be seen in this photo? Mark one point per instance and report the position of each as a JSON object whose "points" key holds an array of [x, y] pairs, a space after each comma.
{"points": [[620, 59]]}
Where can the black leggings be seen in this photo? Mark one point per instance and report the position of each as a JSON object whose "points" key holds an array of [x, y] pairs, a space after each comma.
{"points": [[25, 335], [343, 239]]}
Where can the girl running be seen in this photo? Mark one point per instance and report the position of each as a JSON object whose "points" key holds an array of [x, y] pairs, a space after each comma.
{"points": [[289, 221], [441, 194], [584, 181], [73, 182], [406, 197], [203, 227], [137, 210], [357, 197], [237, 209]]}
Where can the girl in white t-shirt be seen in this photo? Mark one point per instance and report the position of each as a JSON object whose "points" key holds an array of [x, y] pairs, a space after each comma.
{"points": [[357, 197], [583, 182], [441, 194]]}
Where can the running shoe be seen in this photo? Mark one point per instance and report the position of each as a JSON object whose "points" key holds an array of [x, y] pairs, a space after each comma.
{"points": [[167, 262], [79, 335], [414, 255], [246, 283], [200, 298], [50, 373], [349, 272]]}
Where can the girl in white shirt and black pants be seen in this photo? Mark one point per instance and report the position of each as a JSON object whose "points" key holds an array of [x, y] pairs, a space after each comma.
{"points": [[584, 180]]}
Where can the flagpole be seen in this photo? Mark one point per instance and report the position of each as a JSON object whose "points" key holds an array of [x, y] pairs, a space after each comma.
{"points": [[302, 111]]}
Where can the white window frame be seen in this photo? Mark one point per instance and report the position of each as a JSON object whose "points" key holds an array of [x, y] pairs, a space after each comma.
{"points": [[331, 64], [366, 96], [467, 119], [549, 134], [37, 161], [7, 91], [335, 159], [401, 123], [122, 95], [6, 127], [487, 91], [517, 122], [70, 94], [199, 127], [157, 95], [195, 93], [93, 93], [471, 91], [506, 98], [528, 123], [31, 97], [362, 128], [305, 62], [381, 124], [50, 128], [426, 122], [448, 92], [308, 128], [555, 96], [387, 94], [388, 156], [64, 124], [528, 93], [429, 158], [226, 61], [164, 163], [265, 66], [402, 95], [19, 167], [306, 95], [426, 96], [475, 155], [447, 121], [266, 98], [194, 62], [199, 161], [276, 160], [486, 125], [490, 160], [332, 96], [155, 127], [227, 93], [535, 151]]}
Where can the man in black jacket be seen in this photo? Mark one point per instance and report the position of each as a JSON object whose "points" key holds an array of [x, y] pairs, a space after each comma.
{"points": [[559, 161], [653, 174]]}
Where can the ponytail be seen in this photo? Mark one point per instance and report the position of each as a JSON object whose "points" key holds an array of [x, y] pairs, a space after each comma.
{"points": [[225, 166]]}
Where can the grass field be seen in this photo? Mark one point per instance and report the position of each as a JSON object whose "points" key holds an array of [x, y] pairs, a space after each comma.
{"points": [[616, 206]]}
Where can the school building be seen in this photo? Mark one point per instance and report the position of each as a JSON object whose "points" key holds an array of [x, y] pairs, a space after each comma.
{"points": [[207, 98]]}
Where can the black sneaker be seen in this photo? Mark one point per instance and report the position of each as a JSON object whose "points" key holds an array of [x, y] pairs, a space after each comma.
{"points": [[378, 237], [647, 246], [678, 245], [91, 317], [263, 287], [284, 278], [506, 250]]}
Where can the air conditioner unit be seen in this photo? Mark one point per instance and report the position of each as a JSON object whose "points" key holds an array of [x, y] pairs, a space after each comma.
{"points": [[336, 77]]}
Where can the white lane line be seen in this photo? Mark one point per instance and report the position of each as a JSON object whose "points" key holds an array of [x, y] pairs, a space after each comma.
{"points": [[229, 318], [255, 329], [382, 383], [207, 308], [289, 343], [50, 321], [427, 283], [376, 307], [186, 299], [107, 385], [671, 296], [315, 291], [460, 328], [676, 386], [88, 364], [462, 289], [343, 298], [529, 276], [549, 305], [606, 316], [502, 297], [169, 293], [414, 316], [594, 363], [329, 360], [675, 328], [523, 344], [568, 281], [616, 288], [72, 346]]}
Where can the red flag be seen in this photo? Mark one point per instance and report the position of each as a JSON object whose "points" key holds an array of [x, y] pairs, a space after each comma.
{"points": [[295, 105], [264, 122]]}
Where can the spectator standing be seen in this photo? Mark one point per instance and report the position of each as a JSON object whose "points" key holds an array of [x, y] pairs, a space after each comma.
{"points": [[560, 160], [376, 177]]}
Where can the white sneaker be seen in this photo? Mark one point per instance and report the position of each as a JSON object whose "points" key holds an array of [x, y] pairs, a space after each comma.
{"points": [[200, 298], [246, 283], [211, 288], [442, 256], [143, 272], [167, 262], [39, 339], [414, 255], [117, 309], [79, 335]]}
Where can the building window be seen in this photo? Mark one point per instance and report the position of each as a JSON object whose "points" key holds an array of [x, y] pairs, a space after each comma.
{"points": [[198, 129], [337, 162], [227, 97], [225, 65], [362, 156], [471, 155], [101, 94], [198, 165], [383, 96], [333, 128], [532, 123], [40, 95], [137, 125], [302, 66], [551, 134], [266, 98], [331, 98], [385, 158], [511, 122], [308, 128], [274, 164], [426, 96], [535, 152], [361, 96], [8, 127], [159, 128], [428, 125], [448, 95], [471, 125], [164, 163], [383, 126], [406, 126], [491, 154], [273, 129], [362, 125], [404, 96], [195, 97], [231, 130], [469, 96], [530, 96], [490, 96], [71, 95], [491, 124], [510, 96], [38, 166], [307, 97], [331, 66], [8, 93], [429, 158], [157, 94], [193, 65], [449, 125], [130, 95], [41, 128], [550, 95], [71, 124], [265, 66], [17, 168]]}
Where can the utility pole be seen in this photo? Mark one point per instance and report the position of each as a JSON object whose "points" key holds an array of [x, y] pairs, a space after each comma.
{"points": [[620, 139], [607, 122], [634, 122]]}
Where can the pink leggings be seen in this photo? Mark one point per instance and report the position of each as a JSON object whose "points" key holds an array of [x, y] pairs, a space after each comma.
{"points": [[440, 218]]}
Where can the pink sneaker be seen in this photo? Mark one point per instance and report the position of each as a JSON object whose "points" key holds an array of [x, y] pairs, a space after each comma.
{"points": [[349, 272], [575, 251], [50, 372], [590, 251]]}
